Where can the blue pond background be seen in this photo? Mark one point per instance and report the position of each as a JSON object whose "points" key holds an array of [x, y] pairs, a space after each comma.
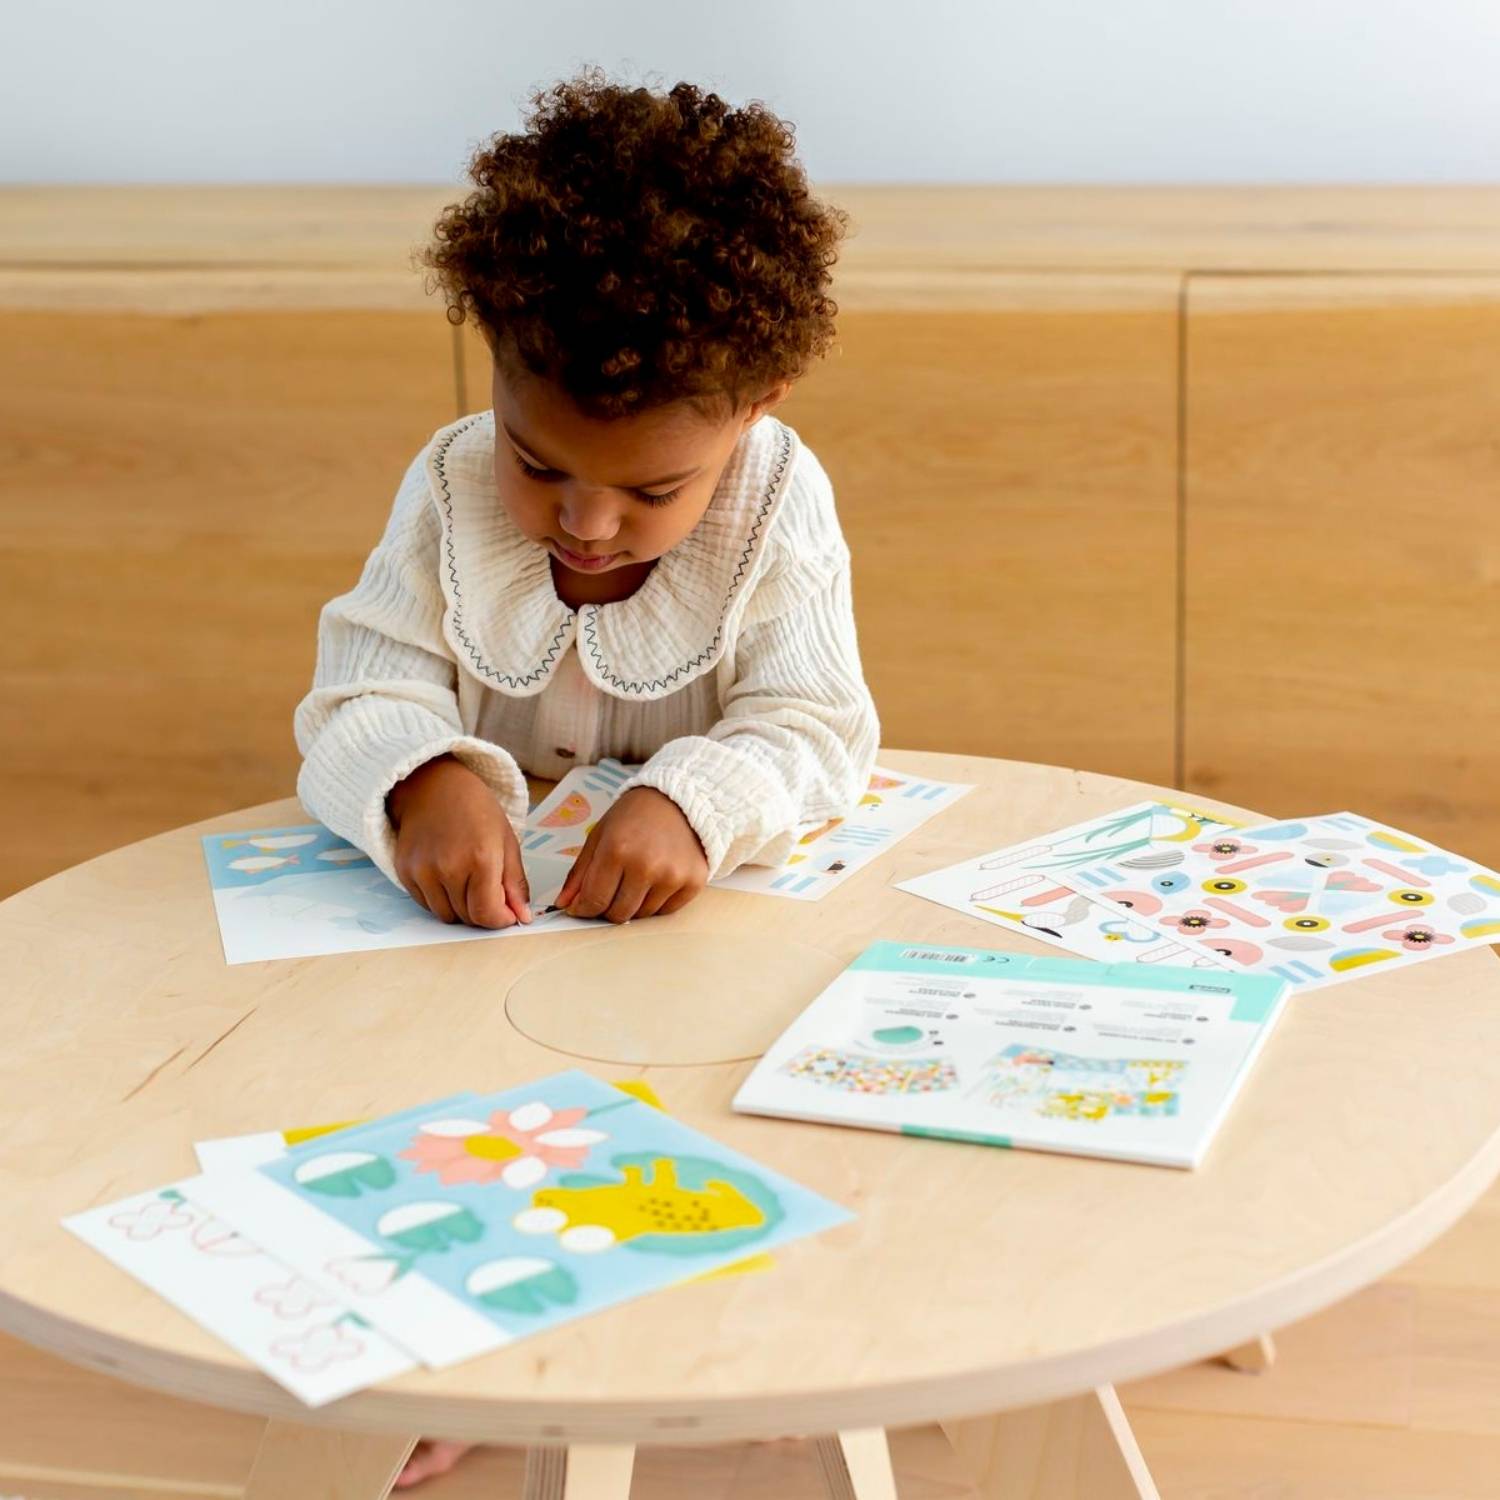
{"points": [[590, 1281]]}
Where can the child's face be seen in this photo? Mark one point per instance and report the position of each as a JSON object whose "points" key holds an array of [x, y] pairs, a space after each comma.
{"points": [[606, 496]]}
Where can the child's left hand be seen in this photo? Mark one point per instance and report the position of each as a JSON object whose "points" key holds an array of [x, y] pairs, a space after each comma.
{"points": [[642, 860]]}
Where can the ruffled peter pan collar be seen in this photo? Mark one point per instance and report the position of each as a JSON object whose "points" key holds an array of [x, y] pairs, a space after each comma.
{"points": [[505, 622]]}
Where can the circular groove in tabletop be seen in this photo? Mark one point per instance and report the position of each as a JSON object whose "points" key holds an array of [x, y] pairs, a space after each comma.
{"points": [[668, 999]]}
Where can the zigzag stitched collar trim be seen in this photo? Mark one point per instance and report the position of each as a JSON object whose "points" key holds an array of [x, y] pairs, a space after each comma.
{"points": [[504, 621]]}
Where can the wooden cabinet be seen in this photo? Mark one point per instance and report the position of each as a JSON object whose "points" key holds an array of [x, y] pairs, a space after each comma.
{"points": [[1194, 486], [1006, 477], [1342, 563], [182, 494]]}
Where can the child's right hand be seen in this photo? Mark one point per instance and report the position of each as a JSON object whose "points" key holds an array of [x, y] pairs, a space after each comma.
{"points": [[456, 852]]}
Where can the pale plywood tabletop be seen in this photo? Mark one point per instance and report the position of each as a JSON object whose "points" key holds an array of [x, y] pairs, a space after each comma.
{"points": [[972, 1279]]}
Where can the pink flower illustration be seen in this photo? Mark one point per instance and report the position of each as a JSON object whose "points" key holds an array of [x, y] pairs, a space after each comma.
{"points": [[291, 1299], [1417, 936], [152, 1219], [1194, 923], [318, 1347], [516, 1148], [1224, 847]]}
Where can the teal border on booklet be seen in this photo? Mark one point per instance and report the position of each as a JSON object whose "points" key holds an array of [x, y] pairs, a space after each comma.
{"points": [[972, 1137], [1254, 995]]}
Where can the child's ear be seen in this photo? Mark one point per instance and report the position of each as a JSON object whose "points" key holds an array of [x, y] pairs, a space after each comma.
{"points": [[772, 398]]}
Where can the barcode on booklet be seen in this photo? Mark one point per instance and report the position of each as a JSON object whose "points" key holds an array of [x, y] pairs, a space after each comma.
{"points": [[936, 956]]}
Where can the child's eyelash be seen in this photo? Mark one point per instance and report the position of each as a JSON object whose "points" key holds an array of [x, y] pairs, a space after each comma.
{"points": [[529, 470], [532, 472]]}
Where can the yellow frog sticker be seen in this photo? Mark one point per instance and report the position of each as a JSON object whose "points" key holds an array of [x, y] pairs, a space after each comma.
{"points": [[673, 1205]]}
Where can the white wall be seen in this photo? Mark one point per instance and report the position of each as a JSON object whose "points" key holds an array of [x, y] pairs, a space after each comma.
{"points": [[940, 90]]}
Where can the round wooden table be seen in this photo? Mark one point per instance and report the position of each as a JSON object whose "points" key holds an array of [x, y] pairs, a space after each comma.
{"points": [[973, 1281]]}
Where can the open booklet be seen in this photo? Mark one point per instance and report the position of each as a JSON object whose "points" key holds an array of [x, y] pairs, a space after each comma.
{"points": [[1129, 1061]]}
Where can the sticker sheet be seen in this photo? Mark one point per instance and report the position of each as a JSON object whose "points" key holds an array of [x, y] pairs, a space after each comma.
{"points": [[298, 892], [457, 1229], [1314, 901], [893, 805], [1031, 887], [565, 817], [305, 1340]]}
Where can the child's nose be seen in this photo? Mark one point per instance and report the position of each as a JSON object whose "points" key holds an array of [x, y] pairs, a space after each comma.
{"points": [[589, 517]]}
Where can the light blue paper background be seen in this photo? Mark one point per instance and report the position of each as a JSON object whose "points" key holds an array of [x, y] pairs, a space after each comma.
{"points": [[603, 1278]]}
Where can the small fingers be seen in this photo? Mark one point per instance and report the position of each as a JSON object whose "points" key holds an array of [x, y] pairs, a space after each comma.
{"points": [[678, 900], [596, 889], [568, 892], [515, 890], [656, 898], [486, 902], [435, 896], [633, 889]]}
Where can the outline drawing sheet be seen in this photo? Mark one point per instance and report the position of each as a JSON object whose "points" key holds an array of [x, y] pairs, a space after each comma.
{"points": [[1029, 887]]}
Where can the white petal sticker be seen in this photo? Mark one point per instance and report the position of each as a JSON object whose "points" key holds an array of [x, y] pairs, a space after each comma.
{"points": [[455, 1127], [571, 1137], [524, 1172], [540, 1220], [586, 1239], [530, 1116]]}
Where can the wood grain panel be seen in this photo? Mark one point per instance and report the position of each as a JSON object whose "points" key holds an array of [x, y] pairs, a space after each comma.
{"points": [[1006, 480], [1343, 549], [180, 496], [937, 227]]}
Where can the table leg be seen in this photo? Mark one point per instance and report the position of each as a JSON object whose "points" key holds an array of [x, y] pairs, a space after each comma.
{"points": [[857, 1465], [1254, 1358], [320, 1463], [1080, 1449], [580, 1472]]}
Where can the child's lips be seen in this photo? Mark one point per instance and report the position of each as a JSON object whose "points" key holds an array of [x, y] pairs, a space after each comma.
{"points": [[585, 562]]}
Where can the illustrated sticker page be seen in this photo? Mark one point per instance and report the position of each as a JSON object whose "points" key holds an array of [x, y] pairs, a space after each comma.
{"points": [[893, 805], [1031, 887], [456, 1232], [1314, 901], [565, 817], [298, 892], [307, 1341]]}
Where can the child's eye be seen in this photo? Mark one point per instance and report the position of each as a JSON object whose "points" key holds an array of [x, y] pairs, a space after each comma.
{"points": [[530, 470], [666, 499]]}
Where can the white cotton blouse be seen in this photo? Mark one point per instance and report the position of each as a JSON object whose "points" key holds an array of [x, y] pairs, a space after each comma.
{"points": [[732, 675]]}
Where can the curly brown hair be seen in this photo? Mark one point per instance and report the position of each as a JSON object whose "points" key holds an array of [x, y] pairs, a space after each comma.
{"points": [[639, 247]]}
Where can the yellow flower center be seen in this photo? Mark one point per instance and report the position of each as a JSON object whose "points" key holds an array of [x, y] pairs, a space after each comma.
{"points": [[491, 1147]]}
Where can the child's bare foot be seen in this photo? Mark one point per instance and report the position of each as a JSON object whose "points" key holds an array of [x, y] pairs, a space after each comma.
{"points": [[429, 1459]]}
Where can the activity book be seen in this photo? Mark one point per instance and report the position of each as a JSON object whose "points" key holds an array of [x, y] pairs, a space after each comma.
{"points": [[446, 1231], [1132, 1062]]}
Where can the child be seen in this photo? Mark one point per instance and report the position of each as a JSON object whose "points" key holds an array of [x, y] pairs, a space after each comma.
{"points": [[629, 556]]}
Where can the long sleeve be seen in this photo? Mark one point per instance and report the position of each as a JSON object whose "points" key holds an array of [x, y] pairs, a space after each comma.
{"points": [[384, 697], [798, 733]]}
